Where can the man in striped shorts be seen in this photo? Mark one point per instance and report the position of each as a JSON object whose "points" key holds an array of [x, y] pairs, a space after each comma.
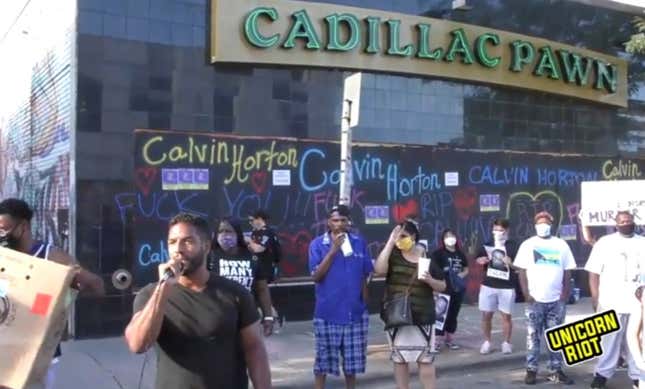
{"points": [[340, 266]]}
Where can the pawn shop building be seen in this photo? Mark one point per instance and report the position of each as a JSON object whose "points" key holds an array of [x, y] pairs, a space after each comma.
{"points": [[118, 114]]}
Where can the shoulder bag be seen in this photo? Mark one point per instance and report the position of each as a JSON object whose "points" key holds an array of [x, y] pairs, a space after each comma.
{"points": [[396, 311]]}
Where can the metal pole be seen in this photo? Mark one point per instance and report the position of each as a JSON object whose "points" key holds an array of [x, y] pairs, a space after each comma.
{"points": [[346, 154]]}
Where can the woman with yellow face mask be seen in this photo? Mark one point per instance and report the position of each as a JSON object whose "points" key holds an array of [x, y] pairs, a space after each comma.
{"points": [[399, 262]]}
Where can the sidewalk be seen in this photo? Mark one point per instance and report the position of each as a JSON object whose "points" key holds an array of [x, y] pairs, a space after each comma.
{"points": [[107, 364]]}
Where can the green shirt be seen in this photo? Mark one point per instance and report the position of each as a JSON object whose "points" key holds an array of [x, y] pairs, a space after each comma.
{"points": [[399, 273]]}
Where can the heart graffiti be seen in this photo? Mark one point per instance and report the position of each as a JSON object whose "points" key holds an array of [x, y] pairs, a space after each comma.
{"points": [[259, 181], [523, 206], [295, 248], [402, 211], [465, 201], [144, 177]]}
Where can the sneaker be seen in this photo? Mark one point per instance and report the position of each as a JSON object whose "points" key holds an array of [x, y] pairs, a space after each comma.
{"points": [[507, 348], [598, 382], [452, 346], [485, 348], [558, 377], [634, 384], [531, 377]]}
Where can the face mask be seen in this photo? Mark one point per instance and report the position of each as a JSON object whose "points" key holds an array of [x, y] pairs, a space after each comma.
{"points": [[627, 230], [227, 241], [9, 240], [543, 230], [450, 241], [499, 236], [405, 244]]}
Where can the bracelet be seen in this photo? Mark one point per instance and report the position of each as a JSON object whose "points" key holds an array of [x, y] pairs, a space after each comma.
{"points": [[267, 318]]}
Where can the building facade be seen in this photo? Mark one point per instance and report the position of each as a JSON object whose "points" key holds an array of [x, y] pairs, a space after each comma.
{"points": [[118, 100]]}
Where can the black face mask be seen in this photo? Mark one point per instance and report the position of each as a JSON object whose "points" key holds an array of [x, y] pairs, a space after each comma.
{"points": [[627, 229], [9, 241]]}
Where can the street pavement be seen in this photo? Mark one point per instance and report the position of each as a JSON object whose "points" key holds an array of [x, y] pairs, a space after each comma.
{"points": [[107, 364]]}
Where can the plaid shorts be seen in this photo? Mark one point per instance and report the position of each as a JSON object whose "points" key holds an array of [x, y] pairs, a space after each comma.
{"points": [[346, 340]]}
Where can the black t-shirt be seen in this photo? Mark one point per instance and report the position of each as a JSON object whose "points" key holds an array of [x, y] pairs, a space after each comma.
{"points": [[269, 240], [492, 282], [242, 267], [199, 346], [450, 260], [271, 255]]}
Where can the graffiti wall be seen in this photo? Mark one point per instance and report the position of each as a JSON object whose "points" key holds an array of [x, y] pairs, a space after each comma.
{"points": [[297, 181], [36, 113]]}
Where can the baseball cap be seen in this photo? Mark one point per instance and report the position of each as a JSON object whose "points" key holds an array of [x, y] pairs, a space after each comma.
{"points": [[342, 209]]}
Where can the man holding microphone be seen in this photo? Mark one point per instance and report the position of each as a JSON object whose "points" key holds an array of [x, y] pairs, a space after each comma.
{"points": [[205, 328]]}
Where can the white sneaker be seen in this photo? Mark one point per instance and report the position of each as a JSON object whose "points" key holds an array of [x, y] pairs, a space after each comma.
{"points": [[507, 348], [485, 348]]}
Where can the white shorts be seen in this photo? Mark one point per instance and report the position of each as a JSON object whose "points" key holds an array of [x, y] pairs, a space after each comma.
{"points": [[492, 299]]}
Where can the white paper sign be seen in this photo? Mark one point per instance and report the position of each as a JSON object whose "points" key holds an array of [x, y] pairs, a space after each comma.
{"points": [[601, 200], [496, 267], [451, 178], [281, 177]]}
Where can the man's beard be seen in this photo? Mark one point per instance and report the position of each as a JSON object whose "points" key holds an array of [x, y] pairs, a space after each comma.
{"points": [[192, 264]]}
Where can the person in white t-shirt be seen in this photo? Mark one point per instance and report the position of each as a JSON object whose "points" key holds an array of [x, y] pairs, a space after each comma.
{"points": [[545, 264], [615, 266]]}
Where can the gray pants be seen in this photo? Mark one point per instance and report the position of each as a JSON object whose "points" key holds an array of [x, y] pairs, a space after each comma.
{"points": [[611, 346]]}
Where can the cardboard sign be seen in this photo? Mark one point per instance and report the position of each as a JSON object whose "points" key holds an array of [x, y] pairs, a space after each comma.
{"points": [[34, 299], [601, 200]]}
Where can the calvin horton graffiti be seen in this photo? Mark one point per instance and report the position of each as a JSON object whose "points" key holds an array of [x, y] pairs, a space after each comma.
{"points": [[297, 181]]}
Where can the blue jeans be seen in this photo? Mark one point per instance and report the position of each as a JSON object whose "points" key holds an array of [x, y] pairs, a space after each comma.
{"points": [[539, 318]]}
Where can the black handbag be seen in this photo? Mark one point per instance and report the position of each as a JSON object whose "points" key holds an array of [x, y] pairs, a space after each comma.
{"points": [[396, 311]]}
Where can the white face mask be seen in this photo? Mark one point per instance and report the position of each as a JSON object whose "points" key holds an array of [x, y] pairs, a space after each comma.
{"points": [[543, 230], [499, 236], [450, 241]]}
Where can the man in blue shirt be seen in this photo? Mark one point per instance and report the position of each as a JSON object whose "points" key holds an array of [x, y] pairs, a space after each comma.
{"points": [[340, 266]]}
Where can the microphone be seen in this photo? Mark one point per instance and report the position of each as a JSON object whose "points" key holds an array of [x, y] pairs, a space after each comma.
{"points": [[168, 274]]}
